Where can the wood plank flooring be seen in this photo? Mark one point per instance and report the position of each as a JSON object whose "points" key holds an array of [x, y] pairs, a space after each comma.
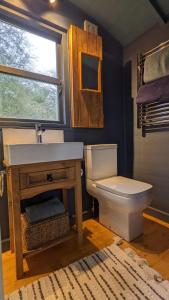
{"points": [[153, 245]]}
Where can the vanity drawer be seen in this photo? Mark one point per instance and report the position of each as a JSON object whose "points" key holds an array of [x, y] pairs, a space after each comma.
{"points": [[46, 177]]}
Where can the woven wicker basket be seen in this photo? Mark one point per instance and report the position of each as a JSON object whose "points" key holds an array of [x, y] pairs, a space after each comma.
{"points": [[36, 235]]}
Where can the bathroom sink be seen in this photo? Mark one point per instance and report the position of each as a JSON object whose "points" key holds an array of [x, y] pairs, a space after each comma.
{"points": [[35, 153]]}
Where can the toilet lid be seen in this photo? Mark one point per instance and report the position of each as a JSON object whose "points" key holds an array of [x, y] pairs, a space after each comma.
{"points": [[123, 186]]}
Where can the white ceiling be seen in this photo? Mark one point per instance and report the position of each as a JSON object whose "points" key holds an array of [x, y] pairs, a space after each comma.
{"points": [[126, 20]]}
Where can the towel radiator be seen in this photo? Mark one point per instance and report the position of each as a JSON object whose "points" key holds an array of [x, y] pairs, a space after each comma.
{"points": [[151, 117]]}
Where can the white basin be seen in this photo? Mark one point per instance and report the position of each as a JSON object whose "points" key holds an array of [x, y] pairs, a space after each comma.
{"points": [[19, 154]]}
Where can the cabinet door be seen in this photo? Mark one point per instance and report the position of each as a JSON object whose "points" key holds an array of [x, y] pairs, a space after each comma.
{"points": [[86, 103]]}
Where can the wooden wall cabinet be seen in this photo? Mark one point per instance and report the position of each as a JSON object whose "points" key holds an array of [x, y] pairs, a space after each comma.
{"points": [[86, 104]]}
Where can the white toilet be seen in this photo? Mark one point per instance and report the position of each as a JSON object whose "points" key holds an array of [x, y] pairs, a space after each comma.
{"points": [[121, 200]]}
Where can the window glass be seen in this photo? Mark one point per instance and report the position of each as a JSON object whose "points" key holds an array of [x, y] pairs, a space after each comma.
{"points": [[27, 51], [28, 99], [37, 98]]}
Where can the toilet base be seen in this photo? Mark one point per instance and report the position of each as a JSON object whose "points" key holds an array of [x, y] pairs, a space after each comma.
{"points": [[127, 225]]}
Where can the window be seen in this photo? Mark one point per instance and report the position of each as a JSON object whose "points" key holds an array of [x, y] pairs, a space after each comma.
{"points": [[30, 79]]}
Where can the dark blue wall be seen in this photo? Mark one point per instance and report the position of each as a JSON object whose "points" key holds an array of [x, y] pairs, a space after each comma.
{"points": [[113, 131]]}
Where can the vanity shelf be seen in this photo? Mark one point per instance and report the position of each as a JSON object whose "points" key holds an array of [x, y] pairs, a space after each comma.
{"points": [[51, 244], [28, 180]]}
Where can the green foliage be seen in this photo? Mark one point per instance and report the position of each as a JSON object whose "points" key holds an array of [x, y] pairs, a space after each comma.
{"points": [[19, 97], [14, 47]]}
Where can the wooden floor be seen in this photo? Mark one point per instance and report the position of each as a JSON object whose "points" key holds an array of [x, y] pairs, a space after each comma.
{"points": [[153, 245]]}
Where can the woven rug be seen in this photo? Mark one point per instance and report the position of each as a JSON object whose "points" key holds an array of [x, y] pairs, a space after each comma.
{"points": [[107, 274]]}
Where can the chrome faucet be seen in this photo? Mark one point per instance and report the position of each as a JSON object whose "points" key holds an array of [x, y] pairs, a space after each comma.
{"points": [[39, 133]]}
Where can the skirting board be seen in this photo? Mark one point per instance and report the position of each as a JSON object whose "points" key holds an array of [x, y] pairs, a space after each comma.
{"points": [[162, 215]]}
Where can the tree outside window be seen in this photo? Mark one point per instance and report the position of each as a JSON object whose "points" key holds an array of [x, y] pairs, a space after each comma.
{"points": [[34, 93]]}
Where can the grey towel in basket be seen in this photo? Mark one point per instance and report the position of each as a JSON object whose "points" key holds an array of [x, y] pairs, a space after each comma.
{"points": [[39, 212]]}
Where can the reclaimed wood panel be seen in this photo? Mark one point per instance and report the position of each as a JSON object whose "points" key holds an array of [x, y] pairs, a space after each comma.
{"points": [[86, 106]]}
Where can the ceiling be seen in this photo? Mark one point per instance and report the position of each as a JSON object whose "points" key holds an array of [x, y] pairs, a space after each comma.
{"points": [[126, 20]]}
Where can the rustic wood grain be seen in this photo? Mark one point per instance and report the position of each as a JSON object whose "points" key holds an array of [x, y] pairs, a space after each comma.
{"points": [[86, 106], [27, 181], [16, 211]]}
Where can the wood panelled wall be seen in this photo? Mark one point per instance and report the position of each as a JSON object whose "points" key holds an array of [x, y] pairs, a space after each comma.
{"points": [[86, 106]]}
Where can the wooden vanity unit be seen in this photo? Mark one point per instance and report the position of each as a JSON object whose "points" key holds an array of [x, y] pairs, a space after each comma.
{"points": [[29, 180]]}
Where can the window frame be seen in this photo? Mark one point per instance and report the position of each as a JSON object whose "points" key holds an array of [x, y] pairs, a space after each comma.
{"points": [[60, 38]]}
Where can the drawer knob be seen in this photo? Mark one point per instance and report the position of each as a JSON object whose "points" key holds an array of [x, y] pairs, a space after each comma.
{"points": [[49, 177]]}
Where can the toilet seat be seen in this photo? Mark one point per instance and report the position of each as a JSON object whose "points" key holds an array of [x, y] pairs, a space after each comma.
{"points": [[123, 186]]}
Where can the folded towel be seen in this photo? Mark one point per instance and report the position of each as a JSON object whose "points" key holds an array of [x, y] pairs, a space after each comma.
{"points": [[38, 212], [157, 90], [156, 65]]}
